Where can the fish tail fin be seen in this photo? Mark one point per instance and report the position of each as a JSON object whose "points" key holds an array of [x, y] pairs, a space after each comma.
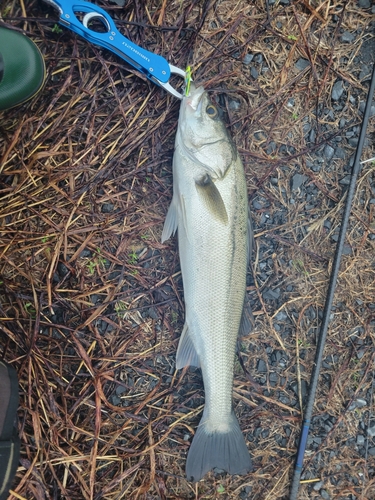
{"points": [[222, 449]]}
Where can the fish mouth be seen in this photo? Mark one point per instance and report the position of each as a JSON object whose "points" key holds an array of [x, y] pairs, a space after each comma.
{"points": [[194, 99]]}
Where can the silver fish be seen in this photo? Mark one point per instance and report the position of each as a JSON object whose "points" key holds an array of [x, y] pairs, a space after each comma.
{"points": [[210, 209]]}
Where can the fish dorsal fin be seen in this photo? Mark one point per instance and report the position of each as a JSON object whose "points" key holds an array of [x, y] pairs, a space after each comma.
{"points": [[250, 237], [211, 198], [247, 319], [186, 353]]}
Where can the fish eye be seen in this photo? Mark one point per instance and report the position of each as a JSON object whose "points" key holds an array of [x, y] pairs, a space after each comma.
{"points": [[212, 111]]}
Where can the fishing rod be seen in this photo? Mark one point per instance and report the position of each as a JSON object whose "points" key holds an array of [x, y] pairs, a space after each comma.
{"points": [[329, 299]]}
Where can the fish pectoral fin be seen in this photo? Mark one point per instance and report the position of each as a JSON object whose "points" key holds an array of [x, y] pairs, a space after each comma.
{"points": [[171, 221], [211, 198], [186, 353], [247, 320]]}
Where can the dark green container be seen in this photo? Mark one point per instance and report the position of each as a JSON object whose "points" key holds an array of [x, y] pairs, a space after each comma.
{"points": [[22, 68]]}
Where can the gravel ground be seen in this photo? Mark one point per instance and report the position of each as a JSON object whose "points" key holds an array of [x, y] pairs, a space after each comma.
{"points": [[92, 303]]}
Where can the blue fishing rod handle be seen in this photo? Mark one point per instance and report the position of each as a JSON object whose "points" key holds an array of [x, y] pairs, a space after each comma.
{"points": [[302, 445], [299, 460], [152, 65]]}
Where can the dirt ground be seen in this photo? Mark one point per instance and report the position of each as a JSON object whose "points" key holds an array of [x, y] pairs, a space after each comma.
{"points": [[91, 302]]}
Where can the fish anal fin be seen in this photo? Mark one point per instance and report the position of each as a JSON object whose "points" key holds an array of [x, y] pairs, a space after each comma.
{"points": [[171, 221], [225, 449], [186, 353], [211, 198]]}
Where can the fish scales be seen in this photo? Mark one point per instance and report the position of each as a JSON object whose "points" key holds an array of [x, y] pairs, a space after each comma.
{"points": [[210, 210]]}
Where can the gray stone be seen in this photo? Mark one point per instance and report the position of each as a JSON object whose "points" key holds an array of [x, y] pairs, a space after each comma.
{"points": [[298, 180], [364, 72], [337, 90], [258, 58], [115, 400], [281, 316], [253, 72], [318, 485], [273, 378], [271, 148], [265, 433], [259, 136], [107, 207], [306, 128], [271, 294], [152, 313], [371, 431], [261, 366], [347, 37], [276, 356], [120, 389], [360, 440], [371, 451], [361, 403], [234, 105], [95, 298], [62, 270], [247, 59], [364, 4], [304, 389], [324, 494], [85, 253], [345, 181], [360, 354], [340, 153], [362, 105], [302, 64], [328, 152], [353, 141]]}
